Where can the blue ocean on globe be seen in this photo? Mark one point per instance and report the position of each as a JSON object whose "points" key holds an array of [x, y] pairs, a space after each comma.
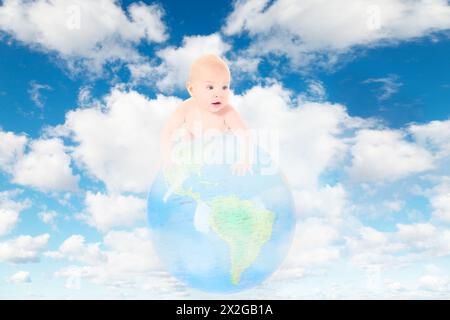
{"points": [[216, 231]]}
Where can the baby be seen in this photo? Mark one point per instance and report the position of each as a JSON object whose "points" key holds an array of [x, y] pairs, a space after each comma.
{"points": [[207, 110]]}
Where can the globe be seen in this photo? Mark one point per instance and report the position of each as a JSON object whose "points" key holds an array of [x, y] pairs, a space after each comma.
{"points": [[214, 230]]}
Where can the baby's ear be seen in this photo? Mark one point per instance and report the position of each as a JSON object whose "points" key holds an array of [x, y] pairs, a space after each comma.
{"points": [[189, 87]]}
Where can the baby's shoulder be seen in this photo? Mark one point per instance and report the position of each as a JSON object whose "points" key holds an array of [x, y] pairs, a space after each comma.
{"points": [[228, 111], [182, 109], [186, 106]]}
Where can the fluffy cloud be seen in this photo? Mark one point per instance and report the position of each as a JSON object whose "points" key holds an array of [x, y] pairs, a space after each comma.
{"points": [[20, 277], [11, 148], [434, 280], [315, 129], [410, 243], [314, 246], [107, 211], [48, 217], [172, 72], [439, 197], [383, 155], [424, 240], [299, 28], [128, 263], [370, 248], [416, 232], [327, 201], [8, 219], [434, 136], [75, 249], [117, 141], [45, 167], [8, 202], [23, 249], [321, 214], [83, 33], [315, 92], [10, 210]]}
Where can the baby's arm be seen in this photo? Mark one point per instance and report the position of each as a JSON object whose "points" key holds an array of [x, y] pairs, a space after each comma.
{"points": [[174, 122], [240, 129]]}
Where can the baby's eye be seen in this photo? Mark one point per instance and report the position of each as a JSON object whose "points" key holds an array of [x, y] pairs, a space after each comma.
{"points": [[210, 87], [225, 87]]}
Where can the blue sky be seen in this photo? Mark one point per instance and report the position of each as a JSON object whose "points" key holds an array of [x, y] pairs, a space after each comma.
{"points": [[362, 99]]}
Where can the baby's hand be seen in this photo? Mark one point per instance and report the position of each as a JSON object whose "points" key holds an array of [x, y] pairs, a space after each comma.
{"points": [[241, 168]]}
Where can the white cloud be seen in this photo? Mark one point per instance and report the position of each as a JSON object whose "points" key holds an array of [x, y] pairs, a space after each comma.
{"points": [[48, 217], [315, 129], [8, 219], [299, 28], [388, 86], [327, 201], [434, 280], [129, 263], [75, 249], [83, 33], [10, 210], [314, 245], [134, 244], [172, 72], [20, 277], [315, 92], [434, 135], [423, 240], [434, 283], [11, 148], [241, 66], [393, 205], [107, 211], [23, 249], [410, 243], [370, 248], [45, 167], [147, 21], [35, 93], [383, 155], [440, 201], [116, 141], [7, 200], [85, 96], [416, 232]]}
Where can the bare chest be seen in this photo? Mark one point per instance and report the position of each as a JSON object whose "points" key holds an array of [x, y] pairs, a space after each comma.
{"points": [[200, 124]]}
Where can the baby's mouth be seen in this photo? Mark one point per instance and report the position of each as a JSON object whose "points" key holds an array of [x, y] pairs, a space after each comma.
{"points": [[216, 104]]}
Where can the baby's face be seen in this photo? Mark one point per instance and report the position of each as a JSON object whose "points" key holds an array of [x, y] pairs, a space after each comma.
{"points": [[210, 89]]}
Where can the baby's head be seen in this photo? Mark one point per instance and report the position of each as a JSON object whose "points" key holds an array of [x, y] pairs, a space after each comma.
{"points": [[209, 82]]}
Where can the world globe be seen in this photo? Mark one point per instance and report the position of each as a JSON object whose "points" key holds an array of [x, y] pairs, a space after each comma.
{"points": [[214, 230]]}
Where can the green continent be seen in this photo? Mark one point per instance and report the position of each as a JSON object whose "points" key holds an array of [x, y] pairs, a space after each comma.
{"points": [[186, 166], [177, 174], [244, 227]]}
